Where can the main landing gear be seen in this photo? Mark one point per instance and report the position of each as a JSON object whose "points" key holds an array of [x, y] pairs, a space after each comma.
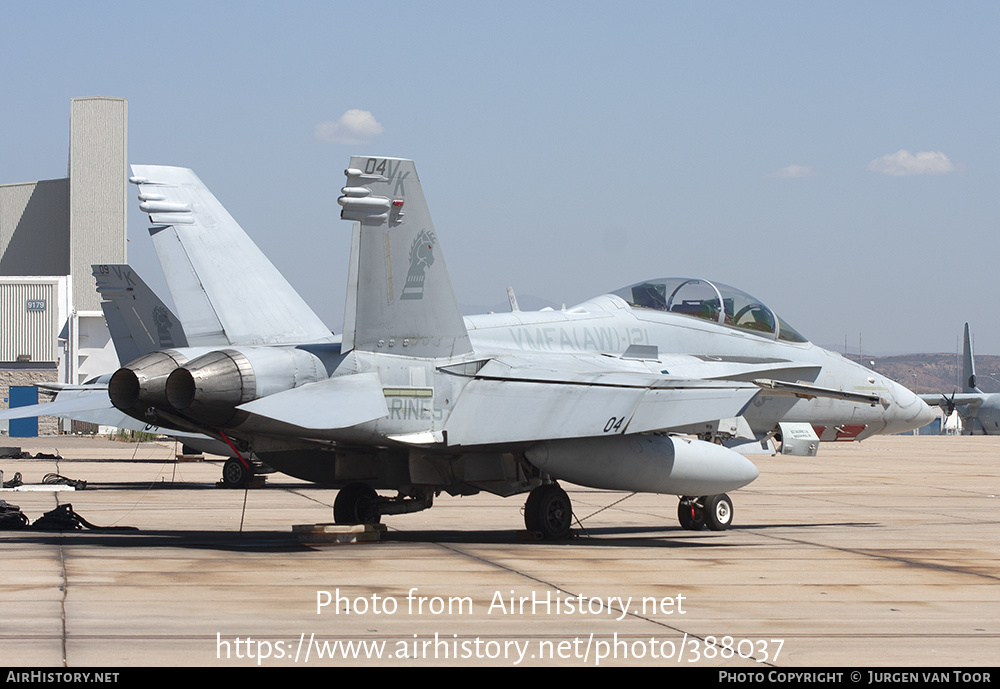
{"points": [[235, 474], [713, 511], [548, 511], [356, 503]]}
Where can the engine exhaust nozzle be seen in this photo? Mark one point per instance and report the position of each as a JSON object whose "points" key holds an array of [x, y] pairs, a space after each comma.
{"points": [[141, 384], [208, 389]]}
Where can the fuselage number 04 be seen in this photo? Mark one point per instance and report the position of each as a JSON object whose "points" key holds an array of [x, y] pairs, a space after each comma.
{"points": [[614, 424]]}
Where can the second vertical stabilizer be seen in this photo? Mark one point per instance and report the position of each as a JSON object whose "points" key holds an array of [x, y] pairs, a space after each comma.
{"points": [[222, 285]]}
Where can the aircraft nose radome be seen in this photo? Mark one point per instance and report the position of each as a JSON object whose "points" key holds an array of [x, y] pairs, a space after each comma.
{"points": [[907, 411]]}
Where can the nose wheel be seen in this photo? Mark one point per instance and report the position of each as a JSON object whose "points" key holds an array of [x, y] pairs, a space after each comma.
{"points": [[713, 511]]}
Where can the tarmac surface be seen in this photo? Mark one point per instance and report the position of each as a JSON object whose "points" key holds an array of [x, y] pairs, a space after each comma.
{"points": [[882, 553]]}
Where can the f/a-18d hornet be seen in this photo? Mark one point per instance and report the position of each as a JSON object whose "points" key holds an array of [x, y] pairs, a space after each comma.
{"points": [[638, 390]]}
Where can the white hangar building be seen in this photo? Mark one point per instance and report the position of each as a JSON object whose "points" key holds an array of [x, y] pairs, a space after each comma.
{"points": [[52, 328]]}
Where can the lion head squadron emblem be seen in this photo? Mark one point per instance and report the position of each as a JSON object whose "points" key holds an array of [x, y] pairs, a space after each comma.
{"points": [[421, 258], [161, 317]]}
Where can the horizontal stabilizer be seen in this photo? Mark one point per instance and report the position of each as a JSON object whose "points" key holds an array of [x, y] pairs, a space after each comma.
{"points": [[327, 404], [91, 404], [66, 405]]}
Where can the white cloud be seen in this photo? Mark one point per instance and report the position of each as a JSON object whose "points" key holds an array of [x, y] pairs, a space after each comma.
{"points": [[903, 162], [353, 127], [794, 172]]}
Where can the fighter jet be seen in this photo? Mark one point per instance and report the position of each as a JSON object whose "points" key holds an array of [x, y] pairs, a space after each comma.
{"points": [[416, 399], [979, 411], [139, 323]]}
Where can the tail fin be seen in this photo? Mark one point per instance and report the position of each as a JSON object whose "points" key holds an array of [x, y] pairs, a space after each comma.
{"points": [[139, 322], [222, 285], [399, 296], [968, 365]]}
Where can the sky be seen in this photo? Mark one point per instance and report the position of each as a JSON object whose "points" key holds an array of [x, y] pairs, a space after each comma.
{"points": [[837, 160]]}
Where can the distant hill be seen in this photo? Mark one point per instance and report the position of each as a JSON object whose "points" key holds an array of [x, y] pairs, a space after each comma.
{"points": [[925, 373]]}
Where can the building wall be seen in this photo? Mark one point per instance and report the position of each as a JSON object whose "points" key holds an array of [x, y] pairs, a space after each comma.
{"points": [[47, 425], [30, 320], [59, 228], [34, 228], [98, 172]]}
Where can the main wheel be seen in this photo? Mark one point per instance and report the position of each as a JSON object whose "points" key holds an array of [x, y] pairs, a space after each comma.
{"points": [[718, 511], [549, 511], [235, 475], [356, 503], [690, 514]]}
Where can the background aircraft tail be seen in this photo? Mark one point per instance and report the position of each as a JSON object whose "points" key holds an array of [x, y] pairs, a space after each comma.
{"points": [[223, 286], [139, 322], [399, 296], [968, 365]]}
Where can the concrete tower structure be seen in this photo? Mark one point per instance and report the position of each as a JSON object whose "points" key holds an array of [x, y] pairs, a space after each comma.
{"points": [[52, 328]]}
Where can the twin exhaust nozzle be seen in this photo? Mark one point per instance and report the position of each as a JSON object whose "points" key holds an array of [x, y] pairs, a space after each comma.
{"points": [[205, 390]]}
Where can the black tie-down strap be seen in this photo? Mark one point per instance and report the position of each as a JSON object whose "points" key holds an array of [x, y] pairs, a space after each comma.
{"points": [[63, 518], [11, 517], [53, 478], [14, 482]]}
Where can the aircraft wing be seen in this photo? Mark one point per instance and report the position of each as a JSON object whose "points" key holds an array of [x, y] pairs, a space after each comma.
{"points": [[743, 368], [807, 391], [972, 400], [517, 399], [527, 400]]}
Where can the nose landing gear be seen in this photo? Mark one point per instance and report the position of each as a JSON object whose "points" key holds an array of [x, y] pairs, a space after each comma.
{"points": [[713, 511]]}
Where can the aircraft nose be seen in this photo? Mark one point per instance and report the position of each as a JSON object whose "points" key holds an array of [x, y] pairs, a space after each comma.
{"points": [[906, 411]]}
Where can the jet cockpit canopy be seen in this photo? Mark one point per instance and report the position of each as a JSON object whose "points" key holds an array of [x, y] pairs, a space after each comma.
{"points": [[711, 301]]}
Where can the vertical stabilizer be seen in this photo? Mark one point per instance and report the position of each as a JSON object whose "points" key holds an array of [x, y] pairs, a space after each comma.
{"points": [[138, 321], [222, 285], [968, 365], [399, 296]]}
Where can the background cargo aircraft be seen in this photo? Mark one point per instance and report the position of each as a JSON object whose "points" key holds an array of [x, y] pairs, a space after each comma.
{"points": [[979, 411], [418, 400]]}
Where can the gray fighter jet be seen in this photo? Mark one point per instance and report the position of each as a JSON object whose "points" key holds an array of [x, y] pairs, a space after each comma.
{"points": [[418, 400], [979, 411], [139, 323]]}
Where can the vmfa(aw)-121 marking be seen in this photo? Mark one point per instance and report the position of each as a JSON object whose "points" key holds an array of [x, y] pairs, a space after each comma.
{"points": [[419, 400], [979, 411]]}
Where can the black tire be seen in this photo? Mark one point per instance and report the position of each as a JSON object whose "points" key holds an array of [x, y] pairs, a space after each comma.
{"points": [[549, 511], [235, 475], [690, 514], [356, 503], [718, 511]]}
